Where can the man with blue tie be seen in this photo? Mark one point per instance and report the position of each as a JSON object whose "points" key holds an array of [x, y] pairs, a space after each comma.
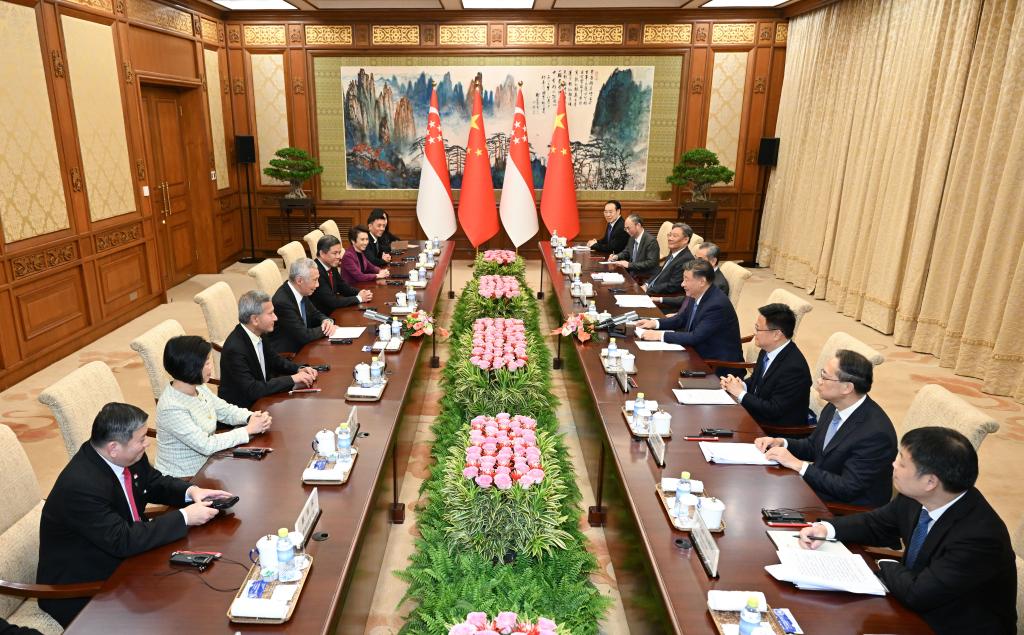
{"points": [[958, 570], [641, 255], [849, 459], [615, 236], [299, 321], [669, 279]]}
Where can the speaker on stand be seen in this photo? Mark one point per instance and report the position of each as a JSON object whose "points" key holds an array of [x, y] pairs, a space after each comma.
{"points": [[767, 155], [245, 155]]}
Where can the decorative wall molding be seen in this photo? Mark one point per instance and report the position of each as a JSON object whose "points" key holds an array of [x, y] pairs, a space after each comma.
{"points": [[160, 15], [57, 63], [76, 179], [668, 33], [729, 33], [294, 34], [129, 74], [598, 34], [333, 34], [396, 35], [697, 85], [118, 237], [239, 86], [210, 32], [760, 84], [463, 35], [197, 25], [700, 33], [527, 34], [140, 169], [234, 34], [765, 35], [781, 32], [264, 35], [96, 4], [24, 266], [119, 7], [297, 86]]}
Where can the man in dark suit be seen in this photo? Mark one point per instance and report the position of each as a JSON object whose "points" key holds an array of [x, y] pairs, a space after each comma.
{"points": [[378, 251], [299, 321], [848, 460], [615, 237], [641, 255], [92, 519], [669, 278], [707, 323], [249, 367], [778, 390], [709, 251], [333, 292], [958, 568]]}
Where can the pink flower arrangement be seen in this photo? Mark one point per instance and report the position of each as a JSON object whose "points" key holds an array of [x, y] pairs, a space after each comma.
{"points": [[499, 343], [503, 451], [421, 323], [499, 287], [505, 623], [500, 256], [579, 323]]}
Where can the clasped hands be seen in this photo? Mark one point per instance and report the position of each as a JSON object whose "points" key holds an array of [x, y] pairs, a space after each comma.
{"points": [[775, 450], [305, 377]]}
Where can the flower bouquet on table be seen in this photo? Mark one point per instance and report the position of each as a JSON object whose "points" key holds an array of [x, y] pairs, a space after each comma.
{"points": [[495, 287], [499, 343], [504, 623], [581, 324], [420, 323]]}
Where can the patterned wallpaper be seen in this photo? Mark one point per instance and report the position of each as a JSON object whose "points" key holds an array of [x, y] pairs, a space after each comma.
{"points": [[94, 75], [31, 191], [268, 89], [214, 99], [724, 113]]}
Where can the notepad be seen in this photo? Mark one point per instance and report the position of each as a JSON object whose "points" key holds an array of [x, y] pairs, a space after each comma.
{"points": [[784, 539], [255, 607], [609, 277], [733, 453], [824, 571], [703, 397], [658, 346], [347, 332], [628, 301]]}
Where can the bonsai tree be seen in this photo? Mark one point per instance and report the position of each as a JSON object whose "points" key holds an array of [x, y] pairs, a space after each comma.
{"points": [[296, 167], [699, 169]]}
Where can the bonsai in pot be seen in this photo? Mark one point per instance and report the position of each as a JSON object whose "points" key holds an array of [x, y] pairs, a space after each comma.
{"points": [[294, 166], [699, 170]]}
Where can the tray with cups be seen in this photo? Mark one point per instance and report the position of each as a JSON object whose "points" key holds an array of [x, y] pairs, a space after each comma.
{"points": [[416, 284], [608, 368], [711, 509], [260, 601], [357, 392], [326, 470], [728, 621], [392, 345], [647, 428], [401, 309]]}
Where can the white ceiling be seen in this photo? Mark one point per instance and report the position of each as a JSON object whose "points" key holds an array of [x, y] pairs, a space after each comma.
{"points": [[538, 5]]}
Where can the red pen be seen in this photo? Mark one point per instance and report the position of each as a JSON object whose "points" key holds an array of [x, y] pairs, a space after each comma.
{"points": [[302, 390], [791, 525], [700, 438]]}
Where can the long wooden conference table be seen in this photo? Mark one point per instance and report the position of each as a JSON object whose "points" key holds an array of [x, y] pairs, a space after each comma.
{"points": [[145, 595], [664, 588]]}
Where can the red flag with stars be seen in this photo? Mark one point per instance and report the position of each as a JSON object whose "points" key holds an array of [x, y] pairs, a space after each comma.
{"points": [[558, 199], [478, 214]]}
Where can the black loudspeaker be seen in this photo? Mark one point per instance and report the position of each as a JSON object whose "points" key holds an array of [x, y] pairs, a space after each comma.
{"points": [[245, 149], [768, 153]]}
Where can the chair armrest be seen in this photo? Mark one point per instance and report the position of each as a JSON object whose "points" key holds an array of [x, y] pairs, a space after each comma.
{"points": [[50, 591], [217, 347], [747, 338], [151, 433], [883, 552], [842, 509], [788, 431], [717, 363]]}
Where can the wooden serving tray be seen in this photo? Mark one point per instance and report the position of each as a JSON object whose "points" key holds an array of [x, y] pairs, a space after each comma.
{"points": [[628, 416], [254, 574], [375, 397], [604, 364], [381, 345], [344, 479], [401, 310], [722, 618], [663, 497]]}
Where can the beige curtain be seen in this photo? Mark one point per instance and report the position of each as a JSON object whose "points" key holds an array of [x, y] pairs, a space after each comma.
{"points": [[898, 192]]}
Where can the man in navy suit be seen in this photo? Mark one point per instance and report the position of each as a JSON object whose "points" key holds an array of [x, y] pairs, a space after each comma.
{"points": [[641, 255], [299, 321], [848, 457], [615, 236], [958, 569], [333, 292], [707, 323], [669, 278]]}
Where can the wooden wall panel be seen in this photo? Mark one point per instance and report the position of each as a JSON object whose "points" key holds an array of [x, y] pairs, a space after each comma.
{"points": [[156, 53], [123, 279], [50, 309]]}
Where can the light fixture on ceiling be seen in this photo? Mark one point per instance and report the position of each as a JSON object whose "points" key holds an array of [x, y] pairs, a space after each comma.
{"points": [[255, 5], [744, 4], [497, 4]]}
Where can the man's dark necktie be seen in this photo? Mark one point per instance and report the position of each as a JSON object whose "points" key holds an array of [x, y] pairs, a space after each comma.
{"points": [[693, 314], [917, 538], [660, 271], [302, 310], [608, 234]]}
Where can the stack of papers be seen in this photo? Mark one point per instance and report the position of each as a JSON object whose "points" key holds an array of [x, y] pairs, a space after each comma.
{"points": [[791, 540], [733, 453], [823, 571], [658, 346], [703, 397], [735, 600], [347, 332], [641, 301], [609, 277]]}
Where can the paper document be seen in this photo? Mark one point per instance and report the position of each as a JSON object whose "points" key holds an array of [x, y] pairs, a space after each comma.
{"points": [[658, 346], [733, 453], [253, 607], [703, 397], [347, 332], [735, 600], [790, 540], [605, 262], [826, 571], [634, 301], [609, 277], [580, 248]]}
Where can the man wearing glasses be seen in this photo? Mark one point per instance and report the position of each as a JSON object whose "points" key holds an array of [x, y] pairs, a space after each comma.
{"points": [[849, 458]]}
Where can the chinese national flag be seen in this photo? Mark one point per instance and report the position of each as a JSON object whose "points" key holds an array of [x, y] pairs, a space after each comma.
{"points": [[558, 198], [478, 213]]}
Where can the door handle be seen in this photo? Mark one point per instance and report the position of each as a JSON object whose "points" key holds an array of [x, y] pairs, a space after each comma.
{"points": [[167, 198]]}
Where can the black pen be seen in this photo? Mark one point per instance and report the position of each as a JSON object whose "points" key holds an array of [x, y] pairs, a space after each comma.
{"points": [[822, 538]]}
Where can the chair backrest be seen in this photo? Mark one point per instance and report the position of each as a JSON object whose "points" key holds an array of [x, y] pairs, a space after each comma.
{"points": [[836, 341], [311, 240], [291, 252], [150, 346], [19, 518], [220, 308], [933, 405], [330, 227], [695, 242], [737, 277], [267, 276], [663, 231], [77, 398], [799, 306]]}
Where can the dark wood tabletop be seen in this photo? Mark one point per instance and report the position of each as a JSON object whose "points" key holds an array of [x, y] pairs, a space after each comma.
{"points": [[145, 595], [677, 574]]}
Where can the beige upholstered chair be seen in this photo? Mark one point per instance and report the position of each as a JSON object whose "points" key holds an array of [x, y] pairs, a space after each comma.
{"points": [[737, 277], [19, 543], [311, 239], [220, 308], [291, 252], [150, 347], [267, 276], [663, 231], [76, 400], [695, 242], [933, 405], [836, 341], [800, 307], [330, 227]]}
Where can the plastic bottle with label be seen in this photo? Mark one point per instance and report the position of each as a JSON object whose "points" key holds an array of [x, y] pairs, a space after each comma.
{"points": [[376, 372], [344, 437], [683, 489], [750, 616], [286, 570]]}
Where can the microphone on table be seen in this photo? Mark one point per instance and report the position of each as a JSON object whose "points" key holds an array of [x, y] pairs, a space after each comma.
{"points": [[379, 317], [613, 324]]}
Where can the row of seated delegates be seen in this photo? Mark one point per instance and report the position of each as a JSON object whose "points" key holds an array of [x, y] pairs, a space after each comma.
{"points": [[615, 236], [378, 250], [187, 412], [641, 254], [333, 292], [708, 251], [669, 277], [92, 519], [958, 569], [299, 321], [250, 368], [707, 323], [356, 267]]}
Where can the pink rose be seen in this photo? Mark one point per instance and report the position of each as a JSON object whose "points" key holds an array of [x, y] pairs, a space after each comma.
{"points": [[545, 623], [462, 629], [470, 472], [502, 481], [525, 481], [484, 481], [536, 475], [477, 619], [503, 469], [506, 621]]}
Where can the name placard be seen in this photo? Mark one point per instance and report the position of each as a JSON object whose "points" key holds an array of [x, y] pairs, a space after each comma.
{"points": [[623, 378], [706, 546], [309, 515], [657, 444]]}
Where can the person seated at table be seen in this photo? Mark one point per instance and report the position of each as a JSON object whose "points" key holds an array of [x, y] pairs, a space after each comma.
{"points": [[378, 247], [708, 251], [356, 268], [333, 292], [669, 278], [187, 412], [250, 369], [92, 519], [707, 324], [615, 237], [958, 569], [388, 236], [299, 321], [641, 254], [778, 391], [849, 459]]}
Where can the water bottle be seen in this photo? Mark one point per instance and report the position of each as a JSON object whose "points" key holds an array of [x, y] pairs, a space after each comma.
{"points": [[612, 346], [344, 437], [423, 272], [430, 255], [437, 242], [396, 328], [592, 308], [554, 238], [750, 616], [638, 404], [286, 570], [682, 490], [376, 372]]}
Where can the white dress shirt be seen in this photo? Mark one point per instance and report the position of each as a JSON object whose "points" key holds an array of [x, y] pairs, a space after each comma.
{"points": [[844, 414], [770, 357], [119, 474]]}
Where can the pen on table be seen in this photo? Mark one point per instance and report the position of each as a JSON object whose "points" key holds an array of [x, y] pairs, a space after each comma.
{"points": [[633, 383], [700, 438], [297, 391], [822, 538], [791, 525]]}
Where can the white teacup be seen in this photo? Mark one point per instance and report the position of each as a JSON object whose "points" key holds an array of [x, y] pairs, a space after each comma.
{"points": [[628, 362], [324, 444], [400, 299], [711, 511], [265, 555]]}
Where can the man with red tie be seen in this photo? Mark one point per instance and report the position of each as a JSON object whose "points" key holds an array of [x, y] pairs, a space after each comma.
{"points": [[92, 519], [333, 292]]}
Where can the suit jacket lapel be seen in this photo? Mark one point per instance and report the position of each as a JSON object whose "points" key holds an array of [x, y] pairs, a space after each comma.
{"points": [[114, 482], [848, 426], [952, 516]]}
